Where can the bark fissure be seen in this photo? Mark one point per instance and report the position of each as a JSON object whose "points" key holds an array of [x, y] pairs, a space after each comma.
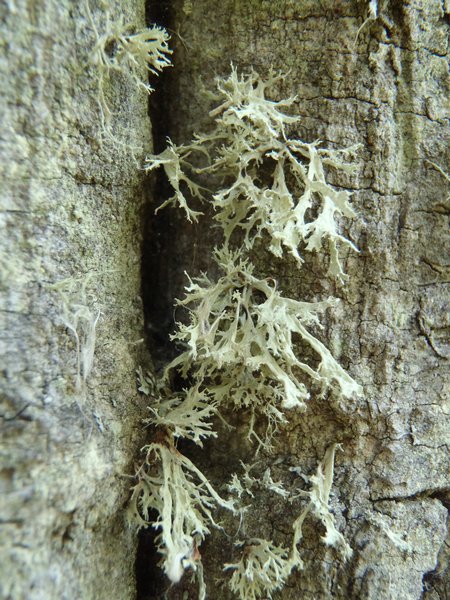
{"points": [[158, 239]]}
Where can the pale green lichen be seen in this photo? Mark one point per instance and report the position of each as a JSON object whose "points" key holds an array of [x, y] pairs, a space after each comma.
{"points": [[264, 567], [124, 49], [274, 183], [186, 415], [240, 348], [318, 505], [262, 570], [174, 161], [240, 486], [79, 314], [244, 345], [183, 499]]}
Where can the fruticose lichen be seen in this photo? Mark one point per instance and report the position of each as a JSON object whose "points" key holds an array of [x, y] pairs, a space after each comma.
{"points": [[273, 183], [78, 312], [123, 49], [170, 484], [264, 567], [240, 345]]}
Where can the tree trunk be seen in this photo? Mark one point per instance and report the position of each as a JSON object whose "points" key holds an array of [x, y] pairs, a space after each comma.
{"points": [[74, 215], [71, 211], [383, 86]]}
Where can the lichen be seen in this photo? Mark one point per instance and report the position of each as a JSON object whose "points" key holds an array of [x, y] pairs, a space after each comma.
{"points": [[182, 497], [318, 505], [79, 314], [274, 183], [240, 344], [244, 346], [262, 569], [124, 49]]}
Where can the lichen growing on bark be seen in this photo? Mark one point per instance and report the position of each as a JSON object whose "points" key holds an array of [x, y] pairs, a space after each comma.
{"points": [[240, 341]]}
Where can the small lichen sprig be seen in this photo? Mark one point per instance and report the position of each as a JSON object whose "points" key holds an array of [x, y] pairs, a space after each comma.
{"points": [[245, 484], [122, 48], [186, 415], [174, 160], [183, 499], [80, 314], [131, 53], [274, 184], [239, 343], [264, 567], [262, 570], [319, 498]]}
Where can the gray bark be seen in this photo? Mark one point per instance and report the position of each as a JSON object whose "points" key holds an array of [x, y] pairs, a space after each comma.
{"points": [[72, 207]]}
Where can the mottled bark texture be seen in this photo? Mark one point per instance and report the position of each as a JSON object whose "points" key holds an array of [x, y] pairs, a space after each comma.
{"points": [[71, 207], [386, 90]]}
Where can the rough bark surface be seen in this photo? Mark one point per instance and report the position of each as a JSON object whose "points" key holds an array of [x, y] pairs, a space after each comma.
{"points": [[71, 207], [385, 90]]}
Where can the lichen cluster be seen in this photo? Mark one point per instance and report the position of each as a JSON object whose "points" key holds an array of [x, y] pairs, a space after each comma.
{"points": [[124, 50], [239, 342]]}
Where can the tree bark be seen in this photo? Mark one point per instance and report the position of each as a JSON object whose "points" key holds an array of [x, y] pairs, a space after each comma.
{"points": [[73, 210], [383, 86]]}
